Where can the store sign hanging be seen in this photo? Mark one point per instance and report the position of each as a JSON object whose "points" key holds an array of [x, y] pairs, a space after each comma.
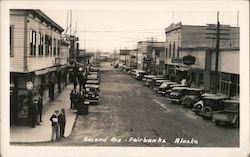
{"points": [[188, 60], [176, 60]]}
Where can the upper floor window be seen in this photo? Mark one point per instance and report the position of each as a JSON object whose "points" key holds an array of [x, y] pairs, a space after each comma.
{"points": [[58, 47], [174, 50], [32, 42], [54, 47], [48, 45], [178, 52], [166, 52], [41, 40], [169, 50], [11, 40]]}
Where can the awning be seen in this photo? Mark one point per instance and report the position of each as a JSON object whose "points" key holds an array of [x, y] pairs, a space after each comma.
{"points": [[41, 72], [182, 68]]}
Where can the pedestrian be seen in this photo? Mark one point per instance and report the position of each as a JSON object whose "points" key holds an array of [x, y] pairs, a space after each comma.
{"points": [[55, 126], [40, 109], [33, 114], [75, 83], [71, 99], [62, 122], [74, 99]]}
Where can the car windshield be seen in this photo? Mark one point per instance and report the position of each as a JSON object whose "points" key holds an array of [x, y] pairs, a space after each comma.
{"points": [[193, 92]]}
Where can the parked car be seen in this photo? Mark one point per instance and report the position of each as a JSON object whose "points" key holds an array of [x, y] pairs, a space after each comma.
{"points": [[177, 94], [94, 69], [200, 104], [140, 74], [165, 86], [229, 114], [192, 96], [116, 66], [169, 90], [159, 77], [95, 82], [91, 94], [211, 104], [145, 77], [158, 83]]}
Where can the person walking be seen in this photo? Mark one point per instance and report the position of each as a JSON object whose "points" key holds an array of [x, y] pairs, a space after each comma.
{"points": [[55, 126], [74, 99], [62, 122], [71, 99]]}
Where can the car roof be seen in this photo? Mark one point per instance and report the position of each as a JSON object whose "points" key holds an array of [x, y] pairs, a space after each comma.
{"points": [[195, 89], [163, 80], [178, 85], [91, 86], [149, 76], [180, 88], [170, 82], [216, 97], [92, 81], [232, 101]]}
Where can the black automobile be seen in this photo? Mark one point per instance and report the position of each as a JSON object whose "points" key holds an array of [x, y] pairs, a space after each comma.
{"points": [[211, 104], [140, 74], [158, 83], [200, 104], [94, 82], [177, 94], [164, 87], [229, 114], [159, 77], [91, 94], [170, 89], [192, 96]]}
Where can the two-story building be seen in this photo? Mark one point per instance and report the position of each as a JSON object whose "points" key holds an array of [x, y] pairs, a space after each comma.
{"points": [[37, 55], [190, 54]]}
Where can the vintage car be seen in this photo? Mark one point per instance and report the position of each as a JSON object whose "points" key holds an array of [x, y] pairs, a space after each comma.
{"points": [[145, 77], [126, 69], [169, 90], [199, 104], [94, 69], [93, 77], [95, 82], [158, 83], [159, 77], [91, 94], [165, 86], [229, 114], [177, 94], [211, 104], [140, 74], [192, 96]]}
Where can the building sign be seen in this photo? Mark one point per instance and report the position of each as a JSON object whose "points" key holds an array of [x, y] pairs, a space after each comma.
{"points": [[176, 60], [72, 38], [188, 60]]}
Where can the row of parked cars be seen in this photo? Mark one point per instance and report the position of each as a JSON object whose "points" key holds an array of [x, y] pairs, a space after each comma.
{"points": [[218, 108], [92, 89]]}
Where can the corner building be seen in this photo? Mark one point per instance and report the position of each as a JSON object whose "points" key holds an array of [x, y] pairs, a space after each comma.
{"points": [[191, 55]]}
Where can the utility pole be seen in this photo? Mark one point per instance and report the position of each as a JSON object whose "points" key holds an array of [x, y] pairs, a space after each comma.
{"points": [[216, 34]]}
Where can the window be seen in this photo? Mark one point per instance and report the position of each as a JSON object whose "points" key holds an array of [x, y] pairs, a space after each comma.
{"points": [[169, 50], [178, 52], [58, 47], [174, 50], [54, 47], [11, 40], [40, 52], [32, 42], [48, 43], [166, 52]]}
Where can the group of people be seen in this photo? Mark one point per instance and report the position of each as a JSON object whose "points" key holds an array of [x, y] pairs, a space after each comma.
{"points": [[35, 110], [76, 99], [58, 122]]}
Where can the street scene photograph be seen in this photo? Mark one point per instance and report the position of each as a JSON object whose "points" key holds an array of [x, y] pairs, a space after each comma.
{"points": [[124, 78]]}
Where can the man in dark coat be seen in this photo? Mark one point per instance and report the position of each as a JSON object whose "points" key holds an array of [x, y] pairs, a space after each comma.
{"points": [[71, 99], [40, 109], [62, 122]]}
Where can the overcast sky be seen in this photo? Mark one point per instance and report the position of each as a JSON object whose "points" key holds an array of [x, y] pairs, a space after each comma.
{"points": [[123, 28]]}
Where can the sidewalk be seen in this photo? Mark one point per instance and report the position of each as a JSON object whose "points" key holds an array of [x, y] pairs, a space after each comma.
{"points": [[42, 132]]}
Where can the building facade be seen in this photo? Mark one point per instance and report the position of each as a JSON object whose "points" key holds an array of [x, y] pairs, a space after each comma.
{"points": [[191, 55], [37, 55]]}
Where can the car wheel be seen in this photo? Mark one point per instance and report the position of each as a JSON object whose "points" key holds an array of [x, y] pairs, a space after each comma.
{"points": [[217, 122]]}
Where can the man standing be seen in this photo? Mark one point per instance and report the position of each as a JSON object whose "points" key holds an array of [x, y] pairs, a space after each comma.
{"points": [[40, 109], [62, 122], [55, 126]]}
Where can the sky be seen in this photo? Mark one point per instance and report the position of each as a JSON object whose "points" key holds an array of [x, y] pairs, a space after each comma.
{"points": [[107, 30]]}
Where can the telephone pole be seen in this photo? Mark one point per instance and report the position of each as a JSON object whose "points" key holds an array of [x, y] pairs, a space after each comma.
{"points": [[216, 34]]}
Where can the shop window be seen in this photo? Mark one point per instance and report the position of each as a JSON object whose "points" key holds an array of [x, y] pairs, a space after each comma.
{"points": [[40, 53], [32, 42], [225, 77], [11, 40], [54, 47]]}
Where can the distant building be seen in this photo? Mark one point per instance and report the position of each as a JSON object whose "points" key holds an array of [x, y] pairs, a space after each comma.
{"points": [[124, 57], [37, 54], [189, 54]]}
